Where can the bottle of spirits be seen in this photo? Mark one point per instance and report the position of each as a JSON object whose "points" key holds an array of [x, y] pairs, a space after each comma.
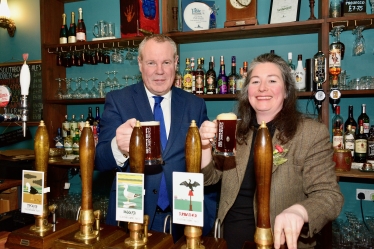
{"points": [[193, 75], [72, 38], [222, 78], [178, 77], [187, 77], [245, 70], [365, 120], [290, 64], [337, 139], [349, 140], [350, 120], [90, 118], [64, 31], [334, 60], [233, 76], [95, 135], [360, 145], [199, 78], [370, 155], [97, 120], [76, 142], [204, 72], [73, 126], [65, 127], [81, 28], [300, 74], [272, 51], [81, 124], [240, 81], [211, 79], [68, 144], [58, 139], [337, 121]]}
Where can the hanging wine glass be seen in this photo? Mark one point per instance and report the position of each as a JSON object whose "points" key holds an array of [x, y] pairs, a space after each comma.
{"points": [[78, 92], [59, 93], [372, 6], [134, 52], [108, 81], [94, 91], [338, 31], [86, 93], [126, 77], [359, 43], [128, 55], [115, 82], [69, 91]]}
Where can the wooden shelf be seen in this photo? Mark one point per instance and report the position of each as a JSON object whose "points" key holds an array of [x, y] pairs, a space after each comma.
{"points": [[19, 123], [357, 93], [355, 173], [351, 21]]}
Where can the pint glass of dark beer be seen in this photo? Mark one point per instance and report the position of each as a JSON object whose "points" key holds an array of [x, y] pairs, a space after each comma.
{"points": [[225, 135], [151, 131]]}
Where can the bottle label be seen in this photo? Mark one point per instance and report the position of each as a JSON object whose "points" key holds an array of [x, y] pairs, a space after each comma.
{"points": [[80, 127], [239, 84], [361, 146], [81, 36], [349, 143], [72, 39], [222, 86], [232, 85], [187, 82], [75, 148], [300, 80], [178, 81], [68, 148], [63, 40], [371, 150], [73, 126], [59, 145], [210, 88], [65, 128], [334, 57], [199, 81], [366, 128], [337, 142]]}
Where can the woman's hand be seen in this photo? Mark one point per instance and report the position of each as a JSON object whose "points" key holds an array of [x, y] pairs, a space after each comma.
{"points": [[207, 133], [288, 225], [123, 135]]}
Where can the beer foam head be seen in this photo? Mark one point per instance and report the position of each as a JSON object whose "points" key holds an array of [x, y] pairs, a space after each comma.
{"points": [[150, 123], [227, 116]]}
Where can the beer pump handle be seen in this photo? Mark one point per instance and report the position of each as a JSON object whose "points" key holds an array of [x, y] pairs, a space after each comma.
{"points": [[25, 85]]}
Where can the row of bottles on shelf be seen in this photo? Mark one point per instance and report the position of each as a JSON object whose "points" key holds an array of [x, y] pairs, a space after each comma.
{"points": [[358, 137], [75, 33], [68, 136]]}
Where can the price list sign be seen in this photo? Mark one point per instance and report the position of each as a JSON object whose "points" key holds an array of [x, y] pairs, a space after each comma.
{"points": [[9, 76]]}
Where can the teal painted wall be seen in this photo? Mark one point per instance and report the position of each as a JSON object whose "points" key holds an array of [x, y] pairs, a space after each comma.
{"points": [[28, 22]]}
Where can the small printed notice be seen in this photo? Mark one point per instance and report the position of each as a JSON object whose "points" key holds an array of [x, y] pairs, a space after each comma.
{"points": [[188, 200], [32, 192], [130, 197]]}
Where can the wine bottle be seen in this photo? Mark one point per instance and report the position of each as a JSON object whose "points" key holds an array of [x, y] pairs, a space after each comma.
{"points": [[204, 72], [211, 79], [73, 126], [65, 127], [349, 140], [81, 124], [72, 38], [233, 76], [365, 120], [360, 145], [199, 78], [97, 120], [337, 121], [81, 28], [222, 78], [350, 120], [90, 119], [64, 31], [300, 74]]}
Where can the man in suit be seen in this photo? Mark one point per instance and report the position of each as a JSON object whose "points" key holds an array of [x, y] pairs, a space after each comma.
{"points": [[157, 62]]}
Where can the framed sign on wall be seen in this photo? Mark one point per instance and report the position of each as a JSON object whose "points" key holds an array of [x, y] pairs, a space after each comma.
{"points": [[284, 11]]}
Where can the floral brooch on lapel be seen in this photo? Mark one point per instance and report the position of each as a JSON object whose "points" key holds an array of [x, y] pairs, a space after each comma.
{"points": [[278, 155]]}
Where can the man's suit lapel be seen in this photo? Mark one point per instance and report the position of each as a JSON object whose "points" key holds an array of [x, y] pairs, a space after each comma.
{"points": [[141, 102]]}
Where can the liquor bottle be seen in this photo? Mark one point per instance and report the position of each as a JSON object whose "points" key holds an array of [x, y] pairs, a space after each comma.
{"points": [[90, 119], [199, 78], [290, 64], [178, 77], [95, 136], [233, 76], [342, 46], [72, 38], [365, 120], [68, 143], [187, 77], [335, 61], [65, 127], [240, 81], [300, 74], [245, 69], [360, 145], [337, 139], [73, 126], [370, 155], [81, 27], [211, 79], [97, 120], [81, 124], [59, 140], [272, 51], [349, 140], [204, 72], [75, 145], [337, 121], [64, 31], [193, 73], [222, 78], [350, 120]]}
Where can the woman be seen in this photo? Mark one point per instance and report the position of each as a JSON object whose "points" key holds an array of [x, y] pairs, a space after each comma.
{"points": [[304, 193]]}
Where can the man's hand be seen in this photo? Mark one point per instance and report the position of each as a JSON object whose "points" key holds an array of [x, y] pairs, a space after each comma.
{"points": [[123, 135], [207, 133], [288, 225]]}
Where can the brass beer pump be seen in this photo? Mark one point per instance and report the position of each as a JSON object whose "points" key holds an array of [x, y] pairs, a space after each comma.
{"points": [[263, 160]]}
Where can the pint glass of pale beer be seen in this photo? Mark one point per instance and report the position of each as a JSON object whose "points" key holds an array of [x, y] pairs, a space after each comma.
{"points": [[151, 132], [226, 133]]}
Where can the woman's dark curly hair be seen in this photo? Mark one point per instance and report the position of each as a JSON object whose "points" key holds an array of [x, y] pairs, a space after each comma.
{"points": [[287, 120]]}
